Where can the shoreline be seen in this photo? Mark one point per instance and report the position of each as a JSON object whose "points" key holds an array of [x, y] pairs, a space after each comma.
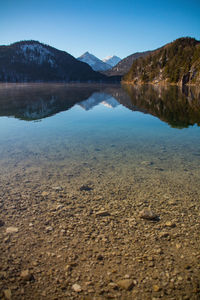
{"points": [[158, 84]]}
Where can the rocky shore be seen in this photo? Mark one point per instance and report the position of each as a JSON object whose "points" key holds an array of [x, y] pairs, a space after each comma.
{"points": [[71, 235]]}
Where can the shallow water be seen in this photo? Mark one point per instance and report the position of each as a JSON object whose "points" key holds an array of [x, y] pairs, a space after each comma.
{"points": [[58, 129], [133, 148]]}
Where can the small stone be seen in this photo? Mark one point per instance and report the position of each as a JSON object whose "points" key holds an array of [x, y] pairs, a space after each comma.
{"points": [[112, 286], [170, 224], [126, 284], [88, 283], [148, 214], [26, 275], [150, 258], [44, 194], [7, 294], [57, 188], [2, 275], [49, 228], [180, 278], [2, 223], [85, 187], [164, 234], [76, 287], [100, 257], [156, 288], [178, 246], [102, 213], [147, 163], [12, 229], [159, 251]]}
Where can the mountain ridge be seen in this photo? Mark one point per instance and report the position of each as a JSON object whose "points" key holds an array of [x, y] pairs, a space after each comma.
{"points": [[32, 61], [177, 62], [125, 64]]}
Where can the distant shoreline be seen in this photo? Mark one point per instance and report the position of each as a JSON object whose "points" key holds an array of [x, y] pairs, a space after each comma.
{"points": [[157, 84]]}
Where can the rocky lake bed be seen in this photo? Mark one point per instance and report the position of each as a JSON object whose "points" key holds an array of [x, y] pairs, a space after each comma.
{"points": [[72, 235]]}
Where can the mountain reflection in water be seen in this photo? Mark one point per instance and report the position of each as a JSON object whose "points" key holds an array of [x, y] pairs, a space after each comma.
{"points": [[178, 107]]}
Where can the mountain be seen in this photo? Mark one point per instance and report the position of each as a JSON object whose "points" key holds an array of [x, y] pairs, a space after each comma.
{"points": [[125, 64], [112, 60], [32, 61], [95, 63], [176, 63], [99, 98]]}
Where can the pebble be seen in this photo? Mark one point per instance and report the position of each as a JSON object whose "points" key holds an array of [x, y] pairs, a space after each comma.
{"points": [[159, 251], [102, 213], [100, 257], [1, 223], [76, 287], [26, 275], [148, 214], [2, 275], [170, 224], [126, 284], [44, 194], [156, 288], [12, 229], [85, 187], [146, 163], [57, 188], [7, 294], [112, 286], [163, 234], [49, 228]]}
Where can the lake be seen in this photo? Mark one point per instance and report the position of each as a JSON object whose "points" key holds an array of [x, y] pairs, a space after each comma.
{"points": [[78, 163]]}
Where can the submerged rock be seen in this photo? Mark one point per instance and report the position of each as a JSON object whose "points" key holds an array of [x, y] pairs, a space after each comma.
{"points": [[147, 163], [2, 223], [148, 214], [170, 224], [57, 188], [102, 213], [7, 294], [12, 229], [26, 275], [85, 187], [76, 287], [126, 284]]}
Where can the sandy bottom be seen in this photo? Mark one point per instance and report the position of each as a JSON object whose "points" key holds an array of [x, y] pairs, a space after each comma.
{"points": [[75, 207]]}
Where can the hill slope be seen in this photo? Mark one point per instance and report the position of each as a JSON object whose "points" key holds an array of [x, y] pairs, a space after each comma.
{"points": [[125, 64], [94, 62], [28, 61], [175, 63]]}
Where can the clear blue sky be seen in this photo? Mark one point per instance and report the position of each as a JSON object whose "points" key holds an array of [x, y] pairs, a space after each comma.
{"points": [[102, 27]]}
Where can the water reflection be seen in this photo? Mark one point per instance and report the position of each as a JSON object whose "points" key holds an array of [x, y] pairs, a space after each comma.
{"points": [[178, 107]]}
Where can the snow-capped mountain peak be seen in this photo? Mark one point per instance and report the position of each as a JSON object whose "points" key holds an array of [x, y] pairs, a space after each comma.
{"points": [[112, 60], [94, 62]]}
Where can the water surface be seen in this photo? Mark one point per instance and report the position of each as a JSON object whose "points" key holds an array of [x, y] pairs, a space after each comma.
{"points": [[63, 128], [130, 148]]}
